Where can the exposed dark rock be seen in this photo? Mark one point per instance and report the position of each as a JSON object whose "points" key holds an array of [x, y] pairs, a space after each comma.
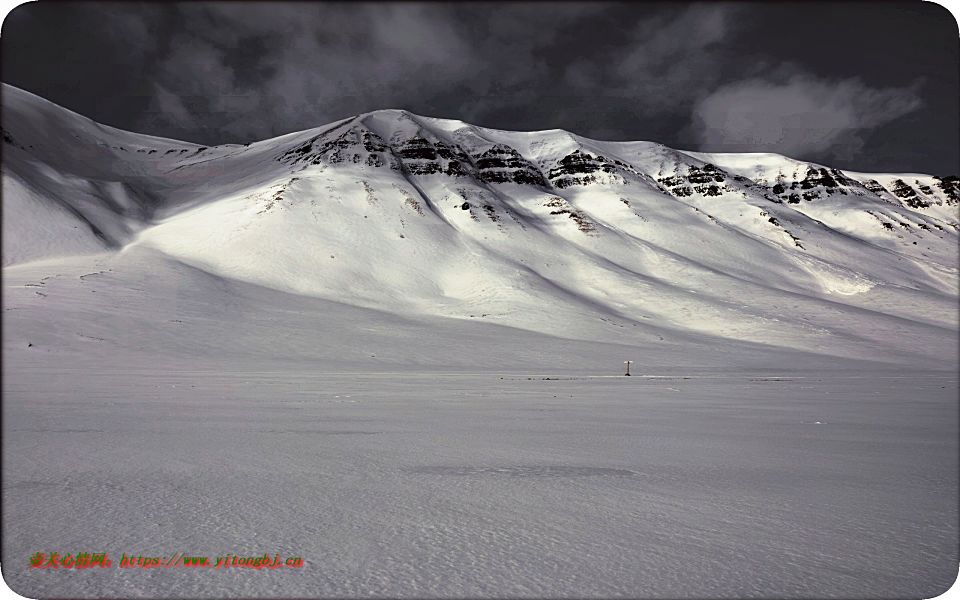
{"points": [[795, 239], [503, 164], [830, 180], [951, 188], [707, 174], [457, 162], [702, 178], [408, 200], [818, 177], [582, 223], [492, 213], [373, 142], [579, 168], [300, 152], [874, 186], [841, 179], [627, 167], [7, 138], [707, 190], [902, 190], [313, 153], [555, 202], [909, 196], [422, 157], [564, 208], [417, 148], [422, 168]]}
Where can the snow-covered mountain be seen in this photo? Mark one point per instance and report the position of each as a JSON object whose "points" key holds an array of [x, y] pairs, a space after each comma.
{"points": [[458, 228]]}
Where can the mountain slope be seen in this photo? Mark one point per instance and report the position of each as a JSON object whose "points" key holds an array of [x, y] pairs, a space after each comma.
{"points": [[628, 243]]}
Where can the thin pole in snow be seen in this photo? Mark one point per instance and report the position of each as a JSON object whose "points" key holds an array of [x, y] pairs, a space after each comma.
{"points": [[627, 362]]}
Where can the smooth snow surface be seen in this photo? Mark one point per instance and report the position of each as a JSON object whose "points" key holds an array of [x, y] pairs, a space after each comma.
{"points": [[466, 485], [394, 345]]}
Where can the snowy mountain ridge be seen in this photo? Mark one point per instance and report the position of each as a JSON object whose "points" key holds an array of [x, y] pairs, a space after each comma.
{"points": [[626, 242]]}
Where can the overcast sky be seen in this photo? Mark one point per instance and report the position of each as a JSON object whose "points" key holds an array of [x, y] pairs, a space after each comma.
{"points": [[864, 86]]}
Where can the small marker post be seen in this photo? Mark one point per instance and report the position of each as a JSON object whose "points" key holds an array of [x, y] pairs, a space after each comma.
{"points": [[627, 362]]}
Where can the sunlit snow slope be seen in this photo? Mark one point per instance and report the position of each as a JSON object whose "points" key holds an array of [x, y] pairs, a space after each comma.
{"points": [[629, 244]]}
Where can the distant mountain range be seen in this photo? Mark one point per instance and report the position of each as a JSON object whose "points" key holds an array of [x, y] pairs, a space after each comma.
{"points": [[549, 232]]}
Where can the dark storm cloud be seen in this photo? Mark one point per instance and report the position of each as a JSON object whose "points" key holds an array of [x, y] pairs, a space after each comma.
{"points": [[718, 76], [799, 116], [318, 63], [664, 59]]}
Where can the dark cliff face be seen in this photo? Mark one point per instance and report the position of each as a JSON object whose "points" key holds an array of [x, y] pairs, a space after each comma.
{"points": [[908, 195], [426, 154], [579, 168], [821, 182], [377, 149], [455, 161], [373, 142], [872, 185], [816, 183], [950, 186], [818, 178], [421, 156], [417, 155], [503, 164], [317, 150], [919, 195], [702, 180]]}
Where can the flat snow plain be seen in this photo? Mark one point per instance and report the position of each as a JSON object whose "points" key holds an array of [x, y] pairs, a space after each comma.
{"points": [[459, 484]]}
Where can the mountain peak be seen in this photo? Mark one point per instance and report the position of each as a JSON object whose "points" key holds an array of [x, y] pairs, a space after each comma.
{"points": [[544, 230]]}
